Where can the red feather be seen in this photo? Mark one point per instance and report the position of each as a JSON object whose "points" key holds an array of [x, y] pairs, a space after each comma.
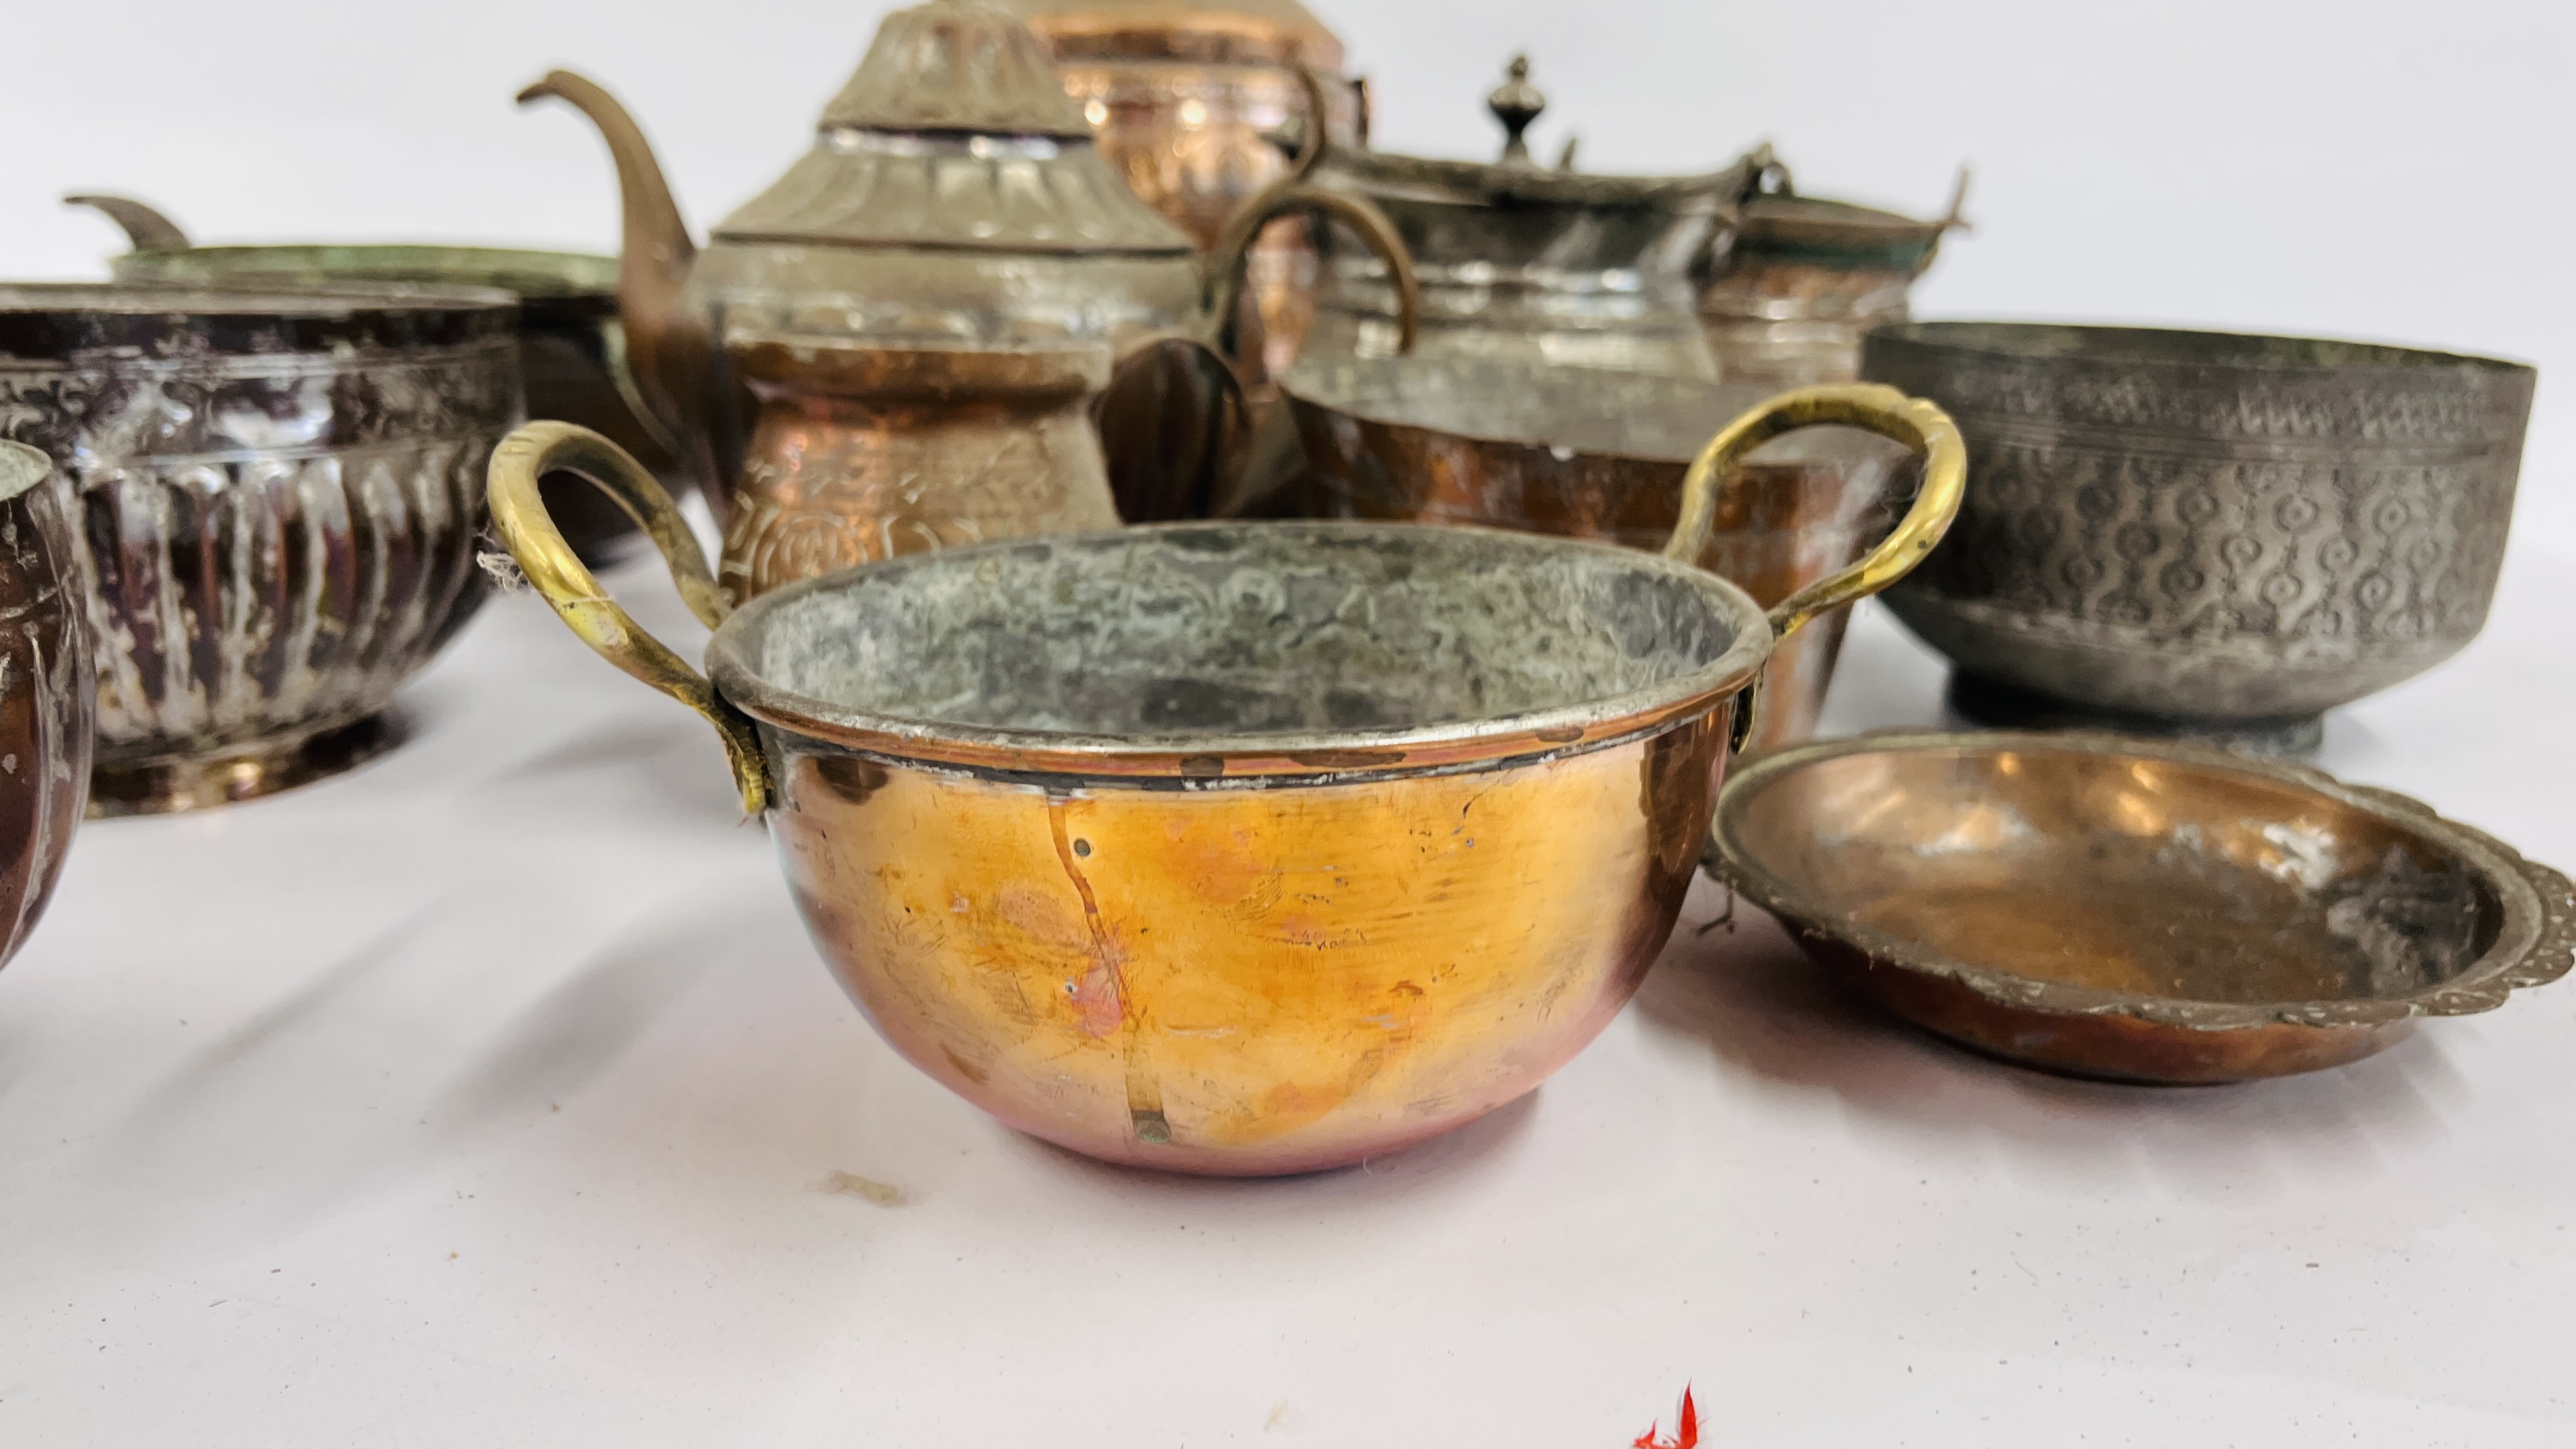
{"points": [[1685, 1430]]}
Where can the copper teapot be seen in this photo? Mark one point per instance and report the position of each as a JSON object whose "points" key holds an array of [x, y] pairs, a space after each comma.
{"points": [[949, 322]]}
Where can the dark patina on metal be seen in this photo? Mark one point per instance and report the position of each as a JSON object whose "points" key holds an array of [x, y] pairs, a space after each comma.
{"points": [[2204, 533]]}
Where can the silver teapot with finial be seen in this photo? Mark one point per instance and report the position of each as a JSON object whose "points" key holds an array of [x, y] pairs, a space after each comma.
{"points": [[1523, 261]]}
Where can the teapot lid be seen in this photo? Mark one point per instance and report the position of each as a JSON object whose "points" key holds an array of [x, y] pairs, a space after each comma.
{"points": [[955, 133], [1517, 179], [1214, 32]]}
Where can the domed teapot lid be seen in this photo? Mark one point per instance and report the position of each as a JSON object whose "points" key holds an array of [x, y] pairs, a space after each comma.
{"points": [[954, 133]]}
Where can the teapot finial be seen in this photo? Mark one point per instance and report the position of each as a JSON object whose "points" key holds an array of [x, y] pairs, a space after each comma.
{"points": [[1516, 103]]}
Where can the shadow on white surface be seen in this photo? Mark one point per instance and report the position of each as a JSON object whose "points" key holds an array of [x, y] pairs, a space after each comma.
{"points": [[1768, 1015]]}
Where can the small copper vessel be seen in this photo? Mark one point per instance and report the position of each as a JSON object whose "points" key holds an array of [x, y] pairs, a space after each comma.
{"points": [[1233, 848], [572, 353], [46, 691], [896, 345], [1789, 288], [2133, 910], [1187, 99], [1590, 453]]}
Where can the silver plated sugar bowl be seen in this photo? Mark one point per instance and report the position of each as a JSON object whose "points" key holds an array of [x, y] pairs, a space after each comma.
{"points": [[2205, 534], [275, 498]]}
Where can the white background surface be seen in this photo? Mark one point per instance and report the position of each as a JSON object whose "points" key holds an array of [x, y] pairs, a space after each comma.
{"points": [[482, 1097]]}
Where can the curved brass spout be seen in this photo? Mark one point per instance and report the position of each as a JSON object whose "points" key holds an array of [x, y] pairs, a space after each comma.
{"points": [[666, 342]]}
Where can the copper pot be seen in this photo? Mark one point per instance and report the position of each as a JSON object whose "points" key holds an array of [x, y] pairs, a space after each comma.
{"points": [[1232, 848], [46, 691], [1591, 453]]}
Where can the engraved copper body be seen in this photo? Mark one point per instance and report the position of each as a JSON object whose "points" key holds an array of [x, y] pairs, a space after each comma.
{"points": [[953, 203], [572, 353], [2133, 910], [1599, 454], [2202, 533], [276, 498], [1230, 848], [46, 690]]}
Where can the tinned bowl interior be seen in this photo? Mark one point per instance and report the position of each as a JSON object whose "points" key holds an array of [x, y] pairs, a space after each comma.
{"points": [[1240, 639]]}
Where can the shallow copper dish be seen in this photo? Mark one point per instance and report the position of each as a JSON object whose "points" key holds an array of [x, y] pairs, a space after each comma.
{"points": [[2138, 911]]}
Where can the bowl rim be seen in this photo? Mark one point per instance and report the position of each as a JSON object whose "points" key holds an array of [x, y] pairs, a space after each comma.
{"points": [[1302, 385], [2535, 945], [1955, 336], [1207, 761]]}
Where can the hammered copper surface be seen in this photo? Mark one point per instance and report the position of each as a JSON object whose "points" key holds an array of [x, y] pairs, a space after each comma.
{"points": [[46, 690], [2206, 533], [860, 455], [2119, 909], [1597, 454], [276, 500]]}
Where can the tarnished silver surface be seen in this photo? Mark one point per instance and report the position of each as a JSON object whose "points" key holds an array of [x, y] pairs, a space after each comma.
{"points": [[1788, 291], [1524, 263], [2202, 532], [2139, 910], [45, 692], [1289, 637], [277, 498]]}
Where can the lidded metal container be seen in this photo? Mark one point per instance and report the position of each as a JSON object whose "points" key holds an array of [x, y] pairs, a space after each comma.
{"points": [[1522, 262], [275, 498], [1787, 293]]}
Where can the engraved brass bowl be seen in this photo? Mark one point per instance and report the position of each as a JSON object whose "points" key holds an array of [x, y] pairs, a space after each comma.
{"points": [[2136, 911], [1234, 848]]}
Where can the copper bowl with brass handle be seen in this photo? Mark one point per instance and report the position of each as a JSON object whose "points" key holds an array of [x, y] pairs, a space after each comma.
{"points": [[1234, 848]]}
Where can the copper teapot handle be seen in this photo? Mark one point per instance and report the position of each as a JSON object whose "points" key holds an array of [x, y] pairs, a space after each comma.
{"points": [[519, 513], [1875, 408]]}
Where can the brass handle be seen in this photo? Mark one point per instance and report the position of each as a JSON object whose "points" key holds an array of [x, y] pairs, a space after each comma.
{"points": [[519, 512], [1882, 410], [1226, 261], [146, 230]]}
